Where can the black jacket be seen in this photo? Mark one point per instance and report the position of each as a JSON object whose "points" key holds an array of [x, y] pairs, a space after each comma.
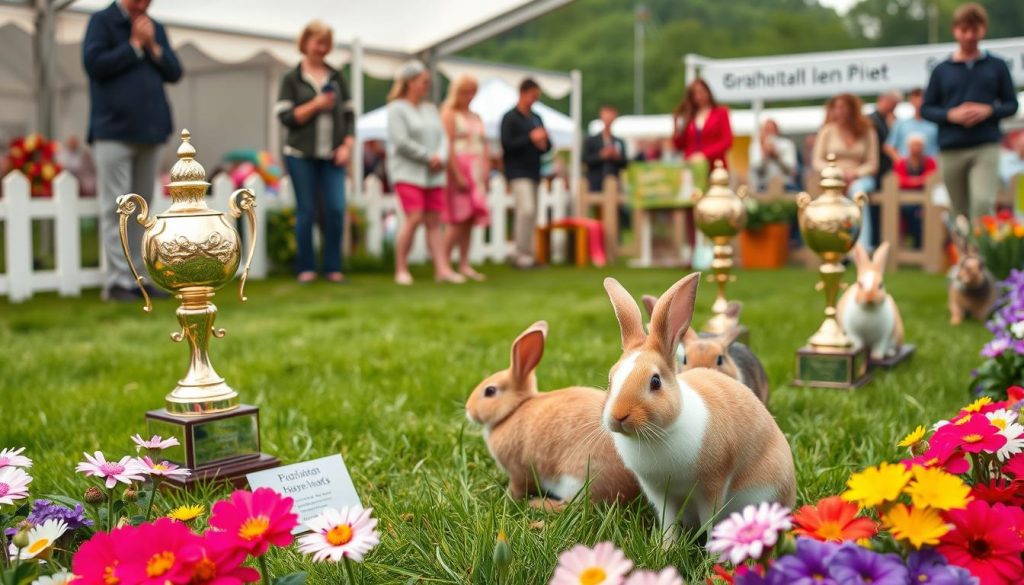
{"points": [[952, 83], [520, 155], [884, 162], [295, 91], [127, 102], [599, 168]]}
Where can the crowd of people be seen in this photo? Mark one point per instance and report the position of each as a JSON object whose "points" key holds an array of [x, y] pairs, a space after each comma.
{"points": [[438, 160]]}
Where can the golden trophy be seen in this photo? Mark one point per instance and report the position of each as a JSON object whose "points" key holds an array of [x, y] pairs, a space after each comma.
{"points": [[191, 251], [830, 226], [720, 214]]}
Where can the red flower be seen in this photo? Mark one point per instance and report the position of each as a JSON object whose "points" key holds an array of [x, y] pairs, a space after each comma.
{"points": [[96, 561], [998, 491], [1015, 466], [160, 553], [946, 456], [1004, 214], [985, 543], [721, 576], [219, 562], [833, 519], [256, 520], [1014, 394], [977, 435]]}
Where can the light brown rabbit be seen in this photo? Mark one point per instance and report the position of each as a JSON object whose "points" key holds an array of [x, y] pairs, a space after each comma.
{"points": [[548, 443], [972, 288], [867, 313], [699, 442]]}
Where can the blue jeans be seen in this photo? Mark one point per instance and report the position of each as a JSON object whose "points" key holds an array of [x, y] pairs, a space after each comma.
{"points": [[313, 177], [868, 217]]}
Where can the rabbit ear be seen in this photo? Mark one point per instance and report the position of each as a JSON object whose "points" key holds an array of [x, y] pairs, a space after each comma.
{"points": [[690, 336], [860, 256], [527, 350], [881, 257], [730, 336], [649, 302], [627, 313], [672, 315], [732, 310]]}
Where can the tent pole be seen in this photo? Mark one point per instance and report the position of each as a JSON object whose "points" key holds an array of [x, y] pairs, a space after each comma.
{"points": [[758, 110], [576, 112], [46, 69], [357, 112]]}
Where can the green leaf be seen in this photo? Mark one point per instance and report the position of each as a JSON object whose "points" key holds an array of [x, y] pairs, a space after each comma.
{"points": [[69, 502], [298, 578]]}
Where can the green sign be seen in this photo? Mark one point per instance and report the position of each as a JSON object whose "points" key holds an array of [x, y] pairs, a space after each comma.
{"points": [[655, 185], [225, 438], [824, 368]]}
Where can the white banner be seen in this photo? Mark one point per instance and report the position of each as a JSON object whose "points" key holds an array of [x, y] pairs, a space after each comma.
{"points": [[817, 75]]}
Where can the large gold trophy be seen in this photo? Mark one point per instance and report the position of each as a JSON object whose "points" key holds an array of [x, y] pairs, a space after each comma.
{"points": [[191, 251], [720, 215], [830, 225]]}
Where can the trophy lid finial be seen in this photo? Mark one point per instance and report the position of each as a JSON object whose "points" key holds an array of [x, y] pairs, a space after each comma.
{"points": [[188, 177], [720, 176], [832, 175]]}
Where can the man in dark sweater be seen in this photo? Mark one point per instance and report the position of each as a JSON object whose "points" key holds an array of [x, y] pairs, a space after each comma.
{"points": [[523, 141], [128, 59], [603, 153], [967, 95]]}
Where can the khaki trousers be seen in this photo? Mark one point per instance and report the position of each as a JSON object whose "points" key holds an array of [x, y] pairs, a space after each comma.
{"points": [[524, 194], [971, 176]]}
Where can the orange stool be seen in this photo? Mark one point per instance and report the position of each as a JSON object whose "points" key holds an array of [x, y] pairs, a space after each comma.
{"points": [[542, 240]]}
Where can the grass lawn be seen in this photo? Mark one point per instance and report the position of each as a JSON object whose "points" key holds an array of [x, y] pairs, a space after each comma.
{"points": [[380, 374]]}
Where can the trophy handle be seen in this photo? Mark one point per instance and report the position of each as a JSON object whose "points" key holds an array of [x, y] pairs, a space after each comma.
{"points": [[743, 192], [248, 204], [861, 199], [126, 205]]}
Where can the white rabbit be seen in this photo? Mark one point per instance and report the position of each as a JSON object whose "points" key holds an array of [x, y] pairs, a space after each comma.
{"points": [[866, 312]]}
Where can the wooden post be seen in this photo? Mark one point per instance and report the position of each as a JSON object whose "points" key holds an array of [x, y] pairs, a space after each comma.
{"points": [[890, 217], [933, 230]]}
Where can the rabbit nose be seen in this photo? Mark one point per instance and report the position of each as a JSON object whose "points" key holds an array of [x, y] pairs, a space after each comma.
{"points": [[622, 418]]}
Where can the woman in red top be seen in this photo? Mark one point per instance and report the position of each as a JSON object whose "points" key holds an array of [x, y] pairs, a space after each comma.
{"points": [[914, 169], [702, 130]]}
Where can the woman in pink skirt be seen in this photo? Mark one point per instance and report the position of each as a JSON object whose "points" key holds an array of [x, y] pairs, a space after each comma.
{"points": [[468, 162]]}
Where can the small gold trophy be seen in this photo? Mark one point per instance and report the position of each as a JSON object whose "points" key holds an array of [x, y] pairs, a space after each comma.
{"points": [[720, 215], [830, 225], [191, 251]]}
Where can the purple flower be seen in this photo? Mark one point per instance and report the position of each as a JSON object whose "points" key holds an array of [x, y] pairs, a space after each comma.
{"points": [[772, 577], [853, 565], [808, 565], [929, 567], [43, 510], [996, 347]]}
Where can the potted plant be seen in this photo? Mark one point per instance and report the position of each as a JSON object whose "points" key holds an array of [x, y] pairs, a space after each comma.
{"points": [[764, 243]]}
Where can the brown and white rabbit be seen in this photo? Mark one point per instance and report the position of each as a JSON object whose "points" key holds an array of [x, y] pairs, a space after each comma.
{"points": [[554, 439], [972, 288], [699, 442], [867, 313], [720, 352]]}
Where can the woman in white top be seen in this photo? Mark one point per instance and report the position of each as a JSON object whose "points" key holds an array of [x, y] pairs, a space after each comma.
{"points": [[417, 159]]}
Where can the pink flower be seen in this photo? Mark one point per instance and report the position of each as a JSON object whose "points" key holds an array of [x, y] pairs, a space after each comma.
{"points": [[747, 534], [162, 469], [256, 520], [668, 576], [13, 484], [160, 553], [219, 562], [125, 471], [14, 458], [156, 443], [96, 561], [602, 565], [346, 533], [976, 435]]}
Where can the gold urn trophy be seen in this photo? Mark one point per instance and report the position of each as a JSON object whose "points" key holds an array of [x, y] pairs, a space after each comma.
{"points": [[191, 251], [830, 226], [720, 214]]}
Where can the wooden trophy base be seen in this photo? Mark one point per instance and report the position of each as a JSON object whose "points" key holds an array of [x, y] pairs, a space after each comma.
{"points": [[838, 368], [220, 447], [905, 352]]}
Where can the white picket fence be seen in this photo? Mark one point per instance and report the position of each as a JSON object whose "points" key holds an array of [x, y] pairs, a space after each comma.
{"points": [[66, 209]]}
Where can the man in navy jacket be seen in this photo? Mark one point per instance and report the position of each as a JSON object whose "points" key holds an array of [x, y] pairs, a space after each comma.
{"points": [[128, 59], [967, 95]]}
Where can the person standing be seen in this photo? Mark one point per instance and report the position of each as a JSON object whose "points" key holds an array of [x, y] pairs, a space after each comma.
{"points": [[416, 159], [772, 155], [468, 162], [128, 59], [702, 129], [523, 140], [967, 95], [882, 119], [603, 153], [315, 108]]}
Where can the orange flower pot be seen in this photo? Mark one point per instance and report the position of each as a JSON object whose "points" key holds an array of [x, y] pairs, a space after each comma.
{"points": [[767, 247]]}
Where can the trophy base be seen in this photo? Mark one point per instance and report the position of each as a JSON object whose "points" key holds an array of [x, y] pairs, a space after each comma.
{"points": [[839, 368], [218, 447], [905, 352]]}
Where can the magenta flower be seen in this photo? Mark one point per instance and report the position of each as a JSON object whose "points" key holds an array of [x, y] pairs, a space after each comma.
{"points": [[125, 471], [162, 469], [14, 458], [747, 534]]}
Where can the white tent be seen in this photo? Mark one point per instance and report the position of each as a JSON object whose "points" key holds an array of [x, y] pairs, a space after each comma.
{"points": [[494, 98]]}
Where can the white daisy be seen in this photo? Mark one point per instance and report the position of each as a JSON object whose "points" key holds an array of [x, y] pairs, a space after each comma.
{"points": [[13, 484], [14, 458], [125, 471], [41, 539], [58, 578], [346, 533], [602, 565], [1006, 421], [1018, 329]]}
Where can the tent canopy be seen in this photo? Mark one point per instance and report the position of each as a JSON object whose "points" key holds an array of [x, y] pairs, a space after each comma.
{"points": [[493, 100]]}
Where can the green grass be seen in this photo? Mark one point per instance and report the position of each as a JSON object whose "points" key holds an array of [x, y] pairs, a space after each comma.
{"points": [[380, 374]]}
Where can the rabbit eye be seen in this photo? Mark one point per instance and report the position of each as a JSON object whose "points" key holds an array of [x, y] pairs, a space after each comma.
{"points": [[720, 360], [655, 383], [684, 360], [490, 391]]}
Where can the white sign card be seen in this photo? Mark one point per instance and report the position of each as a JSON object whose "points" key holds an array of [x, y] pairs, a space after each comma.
{"points": [[314, 485]]}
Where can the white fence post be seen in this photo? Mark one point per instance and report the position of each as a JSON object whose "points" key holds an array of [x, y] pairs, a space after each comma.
{"points": [[18, 240], [68, 228], [371, 200]]}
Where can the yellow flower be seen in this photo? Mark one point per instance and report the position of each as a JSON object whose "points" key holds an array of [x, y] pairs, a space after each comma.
{"points": [[187, 513], [913, 438], [877, 485], [919, 526], [977, 405], [937, 489]]}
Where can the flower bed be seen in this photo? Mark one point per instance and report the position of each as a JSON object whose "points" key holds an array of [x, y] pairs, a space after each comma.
{"points": [[1004, 364]]}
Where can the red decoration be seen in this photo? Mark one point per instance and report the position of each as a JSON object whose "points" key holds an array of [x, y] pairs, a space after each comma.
{"points": [[34, 155]]}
